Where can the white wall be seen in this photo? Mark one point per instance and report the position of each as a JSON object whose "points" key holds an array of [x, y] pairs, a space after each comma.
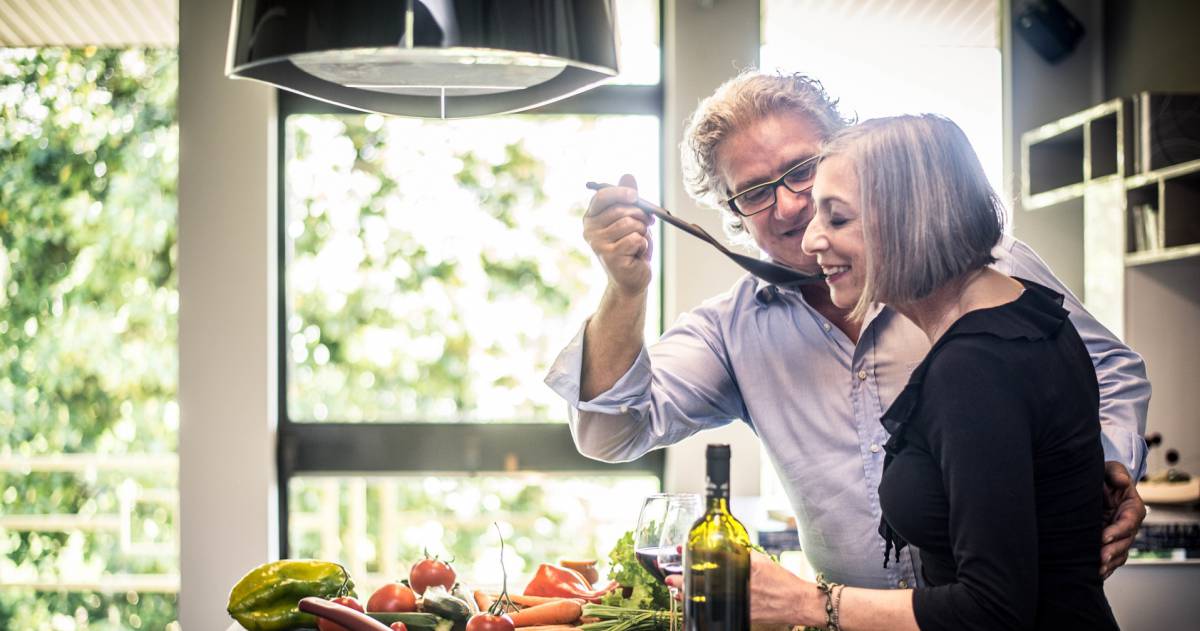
{"points": [[1036, 93], [227, 388], [703, 47]]}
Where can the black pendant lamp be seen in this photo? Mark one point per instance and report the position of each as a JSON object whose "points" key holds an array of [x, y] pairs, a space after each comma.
{"points": [[425, 58]]}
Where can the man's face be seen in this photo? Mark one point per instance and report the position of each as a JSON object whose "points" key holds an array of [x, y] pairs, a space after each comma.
{"points": [[835, 235], [760, 153]]}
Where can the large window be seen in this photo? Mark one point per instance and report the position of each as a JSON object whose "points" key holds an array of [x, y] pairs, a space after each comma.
{"points": [[88, 360], [432, 270]]}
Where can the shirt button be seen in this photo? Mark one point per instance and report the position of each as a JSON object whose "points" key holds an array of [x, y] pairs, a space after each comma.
{"points": [[828, 326], [862, 374], [624, 409], [903, 584], [874, 449]]}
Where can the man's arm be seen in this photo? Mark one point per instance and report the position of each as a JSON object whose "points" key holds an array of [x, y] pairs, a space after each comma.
{"points": [[1124, 399], [1120, 372], [618, 233], [612, 341]]}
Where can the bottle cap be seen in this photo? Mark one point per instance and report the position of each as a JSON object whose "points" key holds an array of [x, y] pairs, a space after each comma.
{"points": [[717, 450], [717, 457]]}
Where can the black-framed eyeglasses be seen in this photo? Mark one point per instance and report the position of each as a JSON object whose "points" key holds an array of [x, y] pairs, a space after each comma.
{"points": [[757, 198]]}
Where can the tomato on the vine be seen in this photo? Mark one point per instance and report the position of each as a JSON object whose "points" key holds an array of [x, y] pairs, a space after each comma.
{"points": [[394, 597], [345, 601], [431, 571], [489, 622]]}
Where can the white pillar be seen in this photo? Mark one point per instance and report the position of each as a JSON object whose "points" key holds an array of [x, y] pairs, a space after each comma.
{"points": [[703, 46], [227, 286]]}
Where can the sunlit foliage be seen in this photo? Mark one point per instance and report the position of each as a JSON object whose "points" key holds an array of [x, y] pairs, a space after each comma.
{"points": [[88, 303], [436, 267]]}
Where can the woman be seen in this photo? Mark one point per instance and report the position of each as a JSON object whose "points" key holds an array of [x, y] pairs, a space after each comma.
{"points": [[994, 467]]}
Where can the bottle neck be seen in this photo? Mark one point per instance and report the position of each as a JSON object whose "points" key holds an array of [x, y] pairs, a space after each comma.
{"points": [[717, 485], [718, 503]]}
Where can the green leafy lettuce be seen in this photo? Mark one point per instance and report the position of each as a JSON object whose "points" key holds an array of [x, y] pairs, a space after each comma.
{"points": [[645, 592]]}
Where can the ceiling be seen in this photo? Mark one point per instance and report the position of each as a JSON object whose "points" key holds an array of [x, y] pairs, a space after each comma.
{"points": [[879, 23], [150, 23], [155, 22]]}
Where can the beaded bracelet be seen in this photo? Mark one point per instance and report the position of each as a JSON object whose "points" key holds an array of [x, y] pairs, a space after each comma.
{"points": [[837, 604], [831, 603]]}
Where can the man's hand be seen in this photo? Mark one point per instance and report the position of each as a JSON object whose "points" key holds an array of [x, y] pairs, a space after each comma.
{"points": [[619, 233], [1123, 514]]}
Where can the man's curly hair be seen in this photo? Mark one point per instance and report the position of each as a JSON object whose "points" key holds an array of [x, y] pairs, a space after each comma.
{"points": [[739, 102]]}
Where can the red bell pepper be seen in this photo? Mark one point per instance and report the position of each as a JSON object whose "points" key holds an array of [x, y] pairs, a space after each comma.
{"points": [[555, 581]]}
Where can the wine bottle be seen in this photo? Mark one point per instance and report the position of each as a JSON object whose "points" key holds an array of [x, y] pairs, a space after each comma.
{"points": [[716, 564]]}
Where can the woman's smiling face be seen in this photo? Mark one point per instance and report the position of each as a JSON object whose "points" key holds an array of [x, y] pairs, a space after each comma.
{"points": [[835, 235]]}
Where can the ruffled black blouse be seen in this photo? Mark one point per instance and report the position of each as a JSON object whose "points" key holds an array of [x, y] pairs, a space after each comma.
{"points": [[995, 471]]}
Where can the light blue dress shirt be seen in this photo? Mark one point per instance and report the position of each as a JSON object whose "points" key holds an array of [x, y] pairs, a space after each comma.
{"points": [[814, 398]]}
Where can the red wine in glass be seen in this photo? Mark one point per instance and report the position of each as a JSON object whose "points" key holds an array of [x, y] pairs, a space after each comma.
{"points": [[661, 562], [662, 531]]}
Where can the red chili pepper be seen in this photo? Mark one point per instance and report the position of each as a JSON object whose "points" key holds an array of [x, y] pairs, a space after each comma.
{"points": [[559, 582]]}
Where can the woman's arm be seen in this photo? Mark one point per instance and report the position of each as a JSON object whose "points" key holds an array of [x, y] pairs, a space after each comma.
{"points": [[778, 596]]}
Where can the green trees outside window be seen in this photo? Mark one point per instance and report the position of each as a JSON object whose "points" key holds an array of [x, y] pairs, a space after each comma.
{"points": [[88, 360], [433, 271]]}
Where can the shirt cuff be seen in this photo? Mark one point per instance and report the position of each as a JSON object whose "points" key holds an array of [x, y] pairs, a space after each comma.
{"points": [[630, 391], [1126, 448]]}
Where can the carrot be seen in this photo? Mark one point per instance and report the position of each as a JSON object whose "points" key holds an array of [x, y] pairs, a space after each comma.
{"points": [[551, 627], [529, 601], [483, 600], [563, 611]]}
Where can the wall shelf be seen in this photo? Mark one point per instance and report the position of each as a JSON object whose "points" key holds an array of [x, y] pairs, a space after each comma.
{"points": [[1149, 143], [1049, 199], [1061, 158], [1130, 168], [1149, 257]]}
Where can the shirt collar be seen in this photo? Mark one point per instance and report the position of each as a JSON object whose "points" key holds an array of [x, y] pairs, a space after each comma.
{"points": [[766, 293]]}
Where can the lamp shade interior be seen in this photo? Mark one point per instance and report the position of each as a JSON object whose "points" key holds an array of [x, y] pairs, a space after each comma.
{"points": [[427, 58]]}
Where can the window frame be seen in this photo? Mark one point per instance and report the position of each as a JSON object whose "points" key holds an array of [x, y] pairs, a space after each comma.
{"points": [[349, 448]]}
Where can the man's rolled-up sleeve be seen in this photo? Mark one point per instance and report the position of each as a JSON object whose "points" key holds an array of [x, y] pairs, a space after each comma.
{"points": [[674, 389], [1121, 373]]}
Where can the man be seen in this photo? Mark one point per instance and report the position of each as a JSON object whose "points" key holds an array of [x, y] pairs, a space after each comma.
{"points": [[811, 382]]}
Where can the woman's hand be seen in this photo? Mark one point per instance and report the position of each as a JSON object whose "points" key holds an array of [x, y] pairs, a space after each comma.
{"points": [[776, 595], [779, 597]]}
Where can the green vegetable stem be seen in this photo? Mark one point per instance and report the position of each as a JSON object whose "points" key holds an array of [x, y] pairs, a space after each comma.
{"points": [[625, 619]]}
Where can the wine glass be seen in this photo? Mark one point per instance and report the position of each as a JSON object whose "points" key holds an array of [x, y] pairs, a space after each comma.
{"points": [[662, 531]]}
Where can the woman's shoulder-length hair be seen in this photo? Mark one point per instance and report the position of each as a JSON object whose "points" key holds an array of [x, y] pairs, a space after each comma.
{"points": [[929, 214]]}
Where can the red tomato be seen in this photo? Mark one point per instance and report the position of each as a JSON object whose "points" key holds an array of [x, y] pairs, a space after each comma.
{"points": [[393, 597], [488, 622], [399, 626], [345, 601], [428, 572]]}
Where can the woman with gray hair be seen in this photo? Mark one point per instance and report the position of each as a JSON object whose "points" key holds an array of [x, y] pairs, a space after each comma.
{"points": [[994, 468]]}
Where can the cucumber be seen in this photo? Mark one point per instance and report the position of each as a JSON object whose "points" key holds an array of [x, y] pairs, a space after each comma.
{"points": [[437, 600], [411, 619]]}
